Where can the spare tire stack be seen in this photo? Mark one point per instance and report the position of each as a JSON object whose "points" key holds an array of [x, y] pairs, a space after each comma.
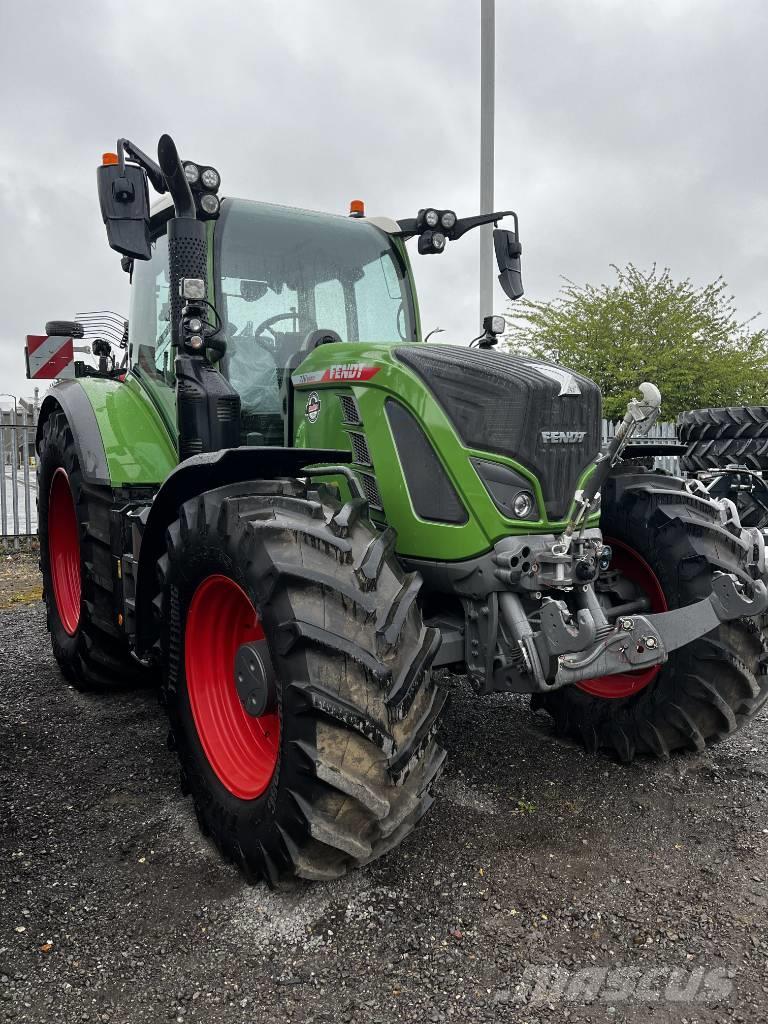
{"points": [[736, 435]]}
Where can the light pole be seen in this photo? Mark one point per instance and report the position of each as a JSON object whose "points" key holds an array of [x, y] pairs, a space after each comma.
{"points": [[487, 84]]}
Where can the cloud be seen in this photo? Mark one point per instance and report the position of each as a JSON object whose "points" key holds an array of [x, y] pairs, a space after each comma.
{"points": [[624, 132]]}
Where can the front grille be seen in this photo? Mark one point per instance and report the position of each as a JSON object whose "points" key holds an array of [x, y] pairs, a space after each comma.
{"points": [[360, 449], [371, 490], [349, 410]]}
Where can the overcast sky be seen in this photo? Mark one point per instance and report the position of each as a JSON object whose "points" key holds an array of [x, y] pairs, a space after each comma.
{"points": [[624, 131]]}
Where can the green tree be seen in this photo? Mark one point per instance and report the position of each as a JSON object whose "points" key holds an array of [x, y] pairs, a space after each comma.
{"points": [[688, 341]]}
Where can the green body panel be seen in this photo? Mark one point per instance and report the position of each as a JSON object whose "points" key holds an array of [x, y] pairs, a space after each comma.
{"points": [[416, 537], [137, 442]]}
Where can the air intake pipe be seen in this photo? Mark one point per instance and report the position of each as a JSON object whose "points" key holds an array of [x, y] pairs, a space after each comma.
{"points": [[207, 406]]}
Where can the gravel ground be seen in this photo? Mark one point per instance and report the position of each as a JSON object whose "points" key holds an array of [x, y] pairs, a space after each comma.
{"points": [[114, 908]]}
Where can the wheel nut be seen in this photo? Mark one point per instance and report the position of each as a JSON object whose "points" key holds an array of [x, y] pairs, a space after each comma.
{"points": [[650, 642], [627, 625]]}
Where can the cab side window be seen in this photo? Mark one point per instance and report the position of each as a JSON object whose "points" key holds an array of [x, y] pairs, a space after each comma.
{"points": [[150, 324]]}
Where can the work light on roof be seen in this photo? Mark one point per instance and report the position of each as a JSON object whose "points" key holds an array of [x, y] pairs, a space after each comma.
{"points": [[209, 204], [210, 178]]}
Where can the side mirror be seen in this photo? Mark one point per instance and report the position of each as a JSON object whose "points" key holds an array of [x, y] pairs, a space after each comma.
{"points": [[124, 200], [508, 252]]}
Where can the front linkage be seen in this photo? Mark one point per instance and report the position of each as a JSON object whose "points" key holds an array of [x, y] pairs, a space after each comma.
{"points": [[504, 651], [550, 582]]}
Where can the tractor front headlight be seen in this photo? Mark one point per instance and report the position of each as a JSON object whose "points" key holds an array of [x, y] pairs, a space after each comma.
{"points": [[209, 204], [522, 506], [510, 490], [448, 219], [192, 173], [431, 218]]}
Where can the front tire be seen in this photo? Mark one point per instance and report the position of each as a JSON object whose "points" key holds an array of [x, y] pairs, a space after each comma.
{"points": [[348, 753], [707, 689]]}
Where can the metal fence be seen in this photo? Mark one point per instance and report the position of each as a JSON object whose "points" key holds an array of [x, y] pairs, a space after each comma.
{"points": [[661, 434], [18, 482]]}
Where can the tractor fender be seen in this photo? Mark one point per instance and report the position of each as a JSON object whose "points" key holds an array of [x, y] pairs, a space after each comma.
{"points": [[70, 397], [204, 473], [120, 437]]}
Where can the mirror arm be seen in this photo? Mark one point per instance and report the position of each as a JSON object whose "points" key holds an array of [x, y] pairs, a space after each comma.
{"points": [[407, 227], [467, 223], [155, 175]]}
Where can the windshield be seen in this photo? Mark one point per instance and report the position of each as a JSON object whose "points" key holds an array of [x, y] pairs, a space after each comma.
{"points": [[285, 273]]}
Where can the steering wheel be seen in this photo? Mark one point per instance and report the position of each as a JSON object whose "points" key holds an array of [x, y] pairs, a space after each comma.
{"points": [[266, 325]]}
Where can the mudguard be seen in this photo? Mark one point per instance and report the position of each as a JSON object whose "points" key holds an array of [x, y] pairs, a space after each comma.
{"points": [[120, 438], [192, 477], [71, 398]]}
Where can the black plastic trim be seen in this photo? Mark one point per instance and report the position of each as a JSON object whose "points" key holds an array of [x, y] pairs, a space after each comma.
{"points": [[503, 485], [433, 495]]}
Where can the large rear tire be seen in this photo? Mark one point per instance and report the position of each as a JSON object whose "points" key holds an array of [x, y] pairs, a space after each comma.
{"points": [[76, 565], [727, 451], [706, 690], [736, 421], [733, 435], [339, 769]]}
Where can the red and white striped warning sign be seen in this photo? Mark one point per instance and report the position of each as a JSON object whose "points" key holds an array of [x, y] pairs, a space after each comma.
{"points": [[49, 356]]}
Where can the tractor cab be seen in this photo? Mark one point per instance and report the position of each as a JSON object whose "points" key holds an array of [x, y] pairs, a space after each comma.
{"points": [[284, 280], [248, 290]]}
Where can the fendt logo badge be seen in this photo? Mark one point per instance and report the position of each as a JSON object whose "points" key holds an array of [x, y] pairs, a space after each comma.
{"points": [[351, 371], [312, 408], [563, 436], [338, 372]]}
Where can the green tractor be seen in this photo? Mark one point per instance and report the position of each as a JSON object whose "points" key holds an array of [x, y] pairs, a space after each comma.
{"points": [[291, 511]]}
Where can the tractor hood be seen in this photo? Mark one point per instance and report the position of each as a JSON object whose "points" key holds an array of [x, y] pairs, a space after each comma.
{"points": [[543, 416]]}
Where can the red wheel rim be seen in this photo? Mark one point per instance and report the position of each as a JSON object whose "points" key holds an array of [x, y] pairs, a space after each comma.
{"points": [[629, 563], [241, 749], [64, 551]]}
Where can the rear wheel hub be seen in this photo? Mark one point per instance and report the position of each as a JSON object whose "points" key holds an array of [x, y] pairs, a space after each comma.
{"points": [[232, 687]]}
